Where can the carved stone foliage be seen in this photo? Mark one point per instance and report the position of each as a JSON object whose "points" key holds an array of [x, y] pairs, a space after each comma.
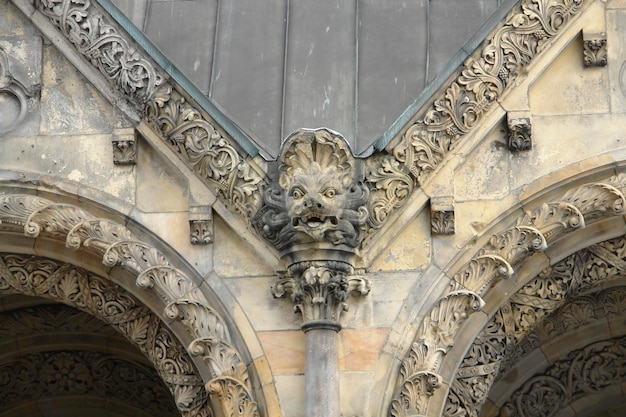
{"points": [[495, 261], [582, 372], [15, 97], [116, 245], [51, 318], [530, 317], [319, 289], [580, 311], [75, 287], [442, 216], [82, 373], [519, 136], [594, 50], [206, 150], [483, 78], [418, 374], [200, 232], [124, 147], [104, 45], [319, 198]]}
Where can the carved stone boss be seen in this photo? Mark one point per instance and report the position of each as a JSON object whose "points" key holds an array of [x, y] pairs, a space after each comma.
{"points": [[316, 214]]}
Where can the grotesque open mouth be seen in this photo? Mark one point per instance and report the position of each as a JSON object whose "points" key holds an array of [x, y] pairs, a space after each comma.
{"points": [[315, 220]]}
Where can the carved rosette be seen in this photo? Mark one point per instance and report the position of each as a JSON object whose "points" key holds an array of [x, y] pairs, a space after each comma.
{"points": [[116, 245]]}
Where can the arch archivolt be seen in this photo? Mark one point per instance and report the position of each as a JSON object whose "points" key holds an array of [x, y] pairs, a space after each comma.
{"points": [[508, 261], [222, 385]]}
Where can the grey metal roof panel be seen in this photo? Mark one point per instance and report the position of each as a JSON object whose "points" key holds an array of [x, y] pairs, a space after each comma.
{"points": [[356, 66]]}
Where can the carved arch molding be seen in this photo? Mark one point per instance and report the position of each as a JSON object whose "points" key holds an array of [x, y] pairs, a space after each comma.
{"points": [[228, 389], [492, 273]]}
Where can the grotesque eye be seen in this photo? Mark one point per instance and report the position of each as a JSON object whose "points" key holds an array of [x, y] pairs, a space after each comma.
{"points": [[330, 192], [297, 193]]}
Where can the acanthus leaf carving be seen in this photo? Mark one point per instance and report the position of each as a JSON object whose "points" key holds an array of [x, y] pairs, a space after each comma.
{"points": [[73, 286], [482, 272], [117, 246], [517, 243], [319, 289], [555, 218]]}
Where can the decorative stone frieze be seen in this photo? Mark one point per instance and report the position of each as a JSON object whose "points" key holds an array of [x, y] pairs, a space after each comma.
{"points": [[497, 260], [442, 216], [105, 46], [58, 374], [594, 49], [117, 246], [40, 277], [582, 372], [206, 150], [519, 135], [124, 147]]}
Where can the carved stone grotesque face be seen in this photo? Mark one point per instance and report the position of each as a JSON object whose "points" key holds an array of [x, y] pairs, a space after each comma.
{"points": [[315, 200]]}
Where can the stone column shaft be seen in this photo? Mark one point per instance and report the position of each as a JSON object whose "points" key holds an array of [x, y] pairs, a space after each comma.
{"points": [[321, 370]]}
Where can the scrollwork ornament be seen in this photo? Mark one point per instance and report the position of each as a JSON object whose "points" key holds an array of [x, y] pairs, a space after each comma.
{"points": [[204, 148], [104, 46]]}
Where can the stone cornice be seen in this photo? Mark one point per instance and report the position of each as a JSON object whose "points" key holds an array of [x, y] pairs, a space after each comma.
{"points": [[391, 175]]}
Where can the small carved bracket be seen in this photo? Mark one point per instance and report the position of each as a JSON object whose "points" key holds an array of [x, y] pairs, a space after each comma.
{"points": [[594, 50], [201, 225], [124, 147], [442, 216], [519, 131]]}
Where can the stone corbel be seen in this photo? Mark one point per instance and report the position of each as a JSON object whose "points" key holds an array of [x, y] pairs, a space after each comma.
{"points": [[442, 215], [594, 49], [519, 135], [124, 146], [200, 225]]}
